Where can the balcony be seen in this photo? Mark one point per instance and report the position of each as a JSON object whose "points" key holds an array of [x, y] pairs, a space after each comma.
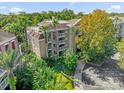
{"points": [[61, 41], [61, 34], [62, 48], [3, 80]]}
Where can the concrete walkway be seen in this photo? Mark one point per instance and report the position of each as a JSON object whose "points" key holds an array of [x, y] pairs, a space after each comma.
{"points": [[106, 77], [78, 75]]}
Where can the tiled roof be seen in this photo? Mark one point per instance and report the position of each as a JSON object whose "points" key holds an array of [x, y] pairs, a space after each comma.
{"points": [[73, 21], [61, 24], [35, 34], [5, 36]]}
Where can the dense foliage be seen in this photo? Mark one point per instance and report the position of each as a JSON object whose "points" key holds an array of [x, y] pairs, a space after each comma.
{"points": [[97, 37], [8, 61], [70, 59], [65, 63], [121, 52], [36, 74], [17, 23]]}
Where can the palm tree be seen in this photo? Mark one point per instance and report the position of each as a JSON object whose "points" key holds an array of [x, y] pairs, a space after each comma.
{"points": [[45, 31], [7, 62], [54, 22]]}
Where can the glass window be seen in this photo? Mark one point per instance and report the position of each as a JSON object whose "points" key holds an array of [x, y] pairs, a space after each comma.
{"points": [[62, 45], [55, 52], [49, 53], [61, 53], [61, 31], [62, 38], [49, 36], [54, 45], [49, 45], [54, 36]]}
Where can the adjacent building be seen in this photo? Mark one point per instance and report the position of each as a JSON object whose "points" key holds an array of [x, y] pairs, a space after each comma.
{"points": [[8, 41], [58, 38]]}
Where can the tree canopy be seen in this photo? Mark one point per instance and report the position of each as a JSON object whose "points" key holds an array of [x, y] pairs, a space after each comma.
{"points": [[97, 37]]}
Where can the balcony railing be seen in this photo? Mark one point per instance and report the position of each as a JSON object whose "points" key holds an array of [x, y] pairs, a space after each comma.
{"points": [[62, 48], [61, 41], [61, 34], [3, 80]]}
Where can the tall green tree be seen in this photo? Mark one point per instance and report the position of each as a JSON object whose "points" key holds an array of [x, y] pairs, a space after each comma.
{"points": [[70, 61], [7, 62], [97, 40]]}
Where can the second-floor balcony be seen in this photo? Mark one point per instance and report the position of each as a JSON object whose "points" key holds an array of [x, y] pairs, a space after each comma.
{"points": [[61, 41], [3, 79], [62, 48], [61, 34]]}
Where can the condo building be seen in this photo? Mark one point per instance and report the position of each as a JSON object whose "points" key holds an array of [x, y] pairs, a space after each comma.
{"points": [[58, 38]]}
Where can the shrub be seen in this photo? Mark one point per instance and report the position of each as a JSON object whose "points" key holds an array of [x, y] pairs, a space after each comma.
{"points": [[121, 51]]}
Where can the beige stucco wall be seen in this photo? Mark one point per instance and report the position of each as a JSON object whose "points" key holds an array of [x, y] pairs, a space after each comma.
{"points": [[43, 48], [72, 44]]}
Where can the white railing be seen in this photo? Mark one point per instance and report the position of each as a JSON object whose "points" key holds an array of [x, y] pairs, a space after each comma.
{"points": [[61, 41], [62, 48], [61, 34], [3, 80], [4, 84]]}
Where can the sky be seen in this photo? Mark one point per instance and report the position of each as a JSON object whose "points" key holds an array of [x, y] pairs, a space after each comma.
{"points": [[85, 7]]}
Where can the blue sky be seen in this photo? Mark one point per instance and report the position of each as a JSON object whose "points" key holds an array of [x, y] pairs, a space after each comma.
{"points": [[85, 7]]}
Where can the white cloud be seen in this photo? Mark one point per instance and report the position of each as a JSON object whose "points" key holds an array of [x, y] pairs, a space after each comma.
{"points": [[2, 7], [73, 3], [116, 7], [15, 10]]}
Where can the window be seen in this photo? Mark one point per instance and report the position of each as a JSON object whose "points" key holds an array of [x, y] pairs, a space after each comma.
{"points": [[61, 53], [61, 31], [54, 36], [13, 45], [62, 38], [54, 45], [55, 52], [49, 36], [62, 45], [6, 47], [49, 45], [49, 53]]}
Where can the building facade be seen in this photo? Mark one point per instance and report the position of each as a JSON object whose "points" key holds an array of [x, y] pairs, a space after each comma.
{"points": [[8, 41], [58, 38]]}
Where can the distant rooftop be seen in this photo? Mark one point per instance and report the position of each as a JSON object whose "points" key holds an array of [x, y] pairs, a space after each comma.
{"points": [[5, 36]]}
